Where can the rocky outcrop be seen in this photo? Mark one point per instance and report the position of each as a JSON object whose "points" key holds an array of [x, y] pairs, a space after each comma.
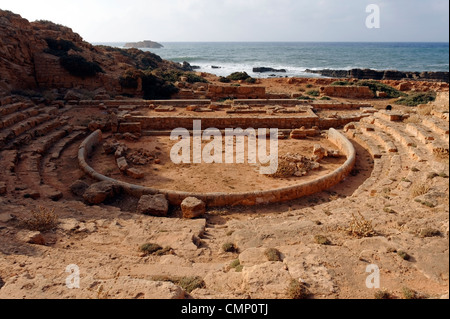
{"points": [[368, 74], [147, 44], [45, 55], [265, 70]]}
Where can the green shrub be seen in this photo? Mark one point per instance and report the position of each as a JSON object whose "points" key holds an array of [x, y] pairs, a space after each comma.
{"points": [[273, 254], [130, 79], [325, 98], [58, 46], [250, 80], [193, 78], [156, 88], [236, 265], [416, 99], [238, 76], [308, 86], [403, 255], [189, 284], [229, 248], [410, 294], [169, 76], [224, 80], [313, 92], [78, 66]]}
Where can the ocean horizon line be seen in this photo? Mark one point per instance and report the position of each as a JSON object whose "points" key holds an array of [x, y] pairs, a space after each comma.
{"points": [[340, 42]]}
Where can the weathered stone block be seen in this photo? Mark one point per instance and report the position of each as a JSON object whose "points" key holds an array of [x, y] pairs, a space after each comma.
{"points": [[193, 207], [154, 205]]}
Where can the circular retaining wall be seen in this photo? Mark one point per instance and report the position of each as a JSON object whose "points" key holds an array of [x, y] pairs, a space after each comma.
{"points": [[225, 199]]}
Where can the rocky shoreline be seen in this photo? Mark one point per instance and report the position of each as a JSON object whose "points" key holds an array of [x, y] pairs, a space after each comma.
{"points": [[368, 74]]}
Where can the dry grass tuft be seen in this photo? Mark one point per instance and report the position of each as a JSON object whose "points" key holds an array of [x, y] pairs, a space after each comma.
{"points": [[297, 290], [273, 254], [360, 227], [424, 109], [42, 220], [419, 190]]}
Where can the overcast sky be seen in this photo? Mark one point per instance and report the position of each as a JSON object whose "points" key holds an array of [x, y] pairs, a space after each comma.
{"points": [[241, 20]]}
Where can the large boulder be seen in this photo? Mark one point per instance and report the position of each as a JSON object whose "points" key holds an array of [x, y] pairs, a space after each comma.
{"points": [[153, 205], [193, 207], [79, 187], [99, 192]]}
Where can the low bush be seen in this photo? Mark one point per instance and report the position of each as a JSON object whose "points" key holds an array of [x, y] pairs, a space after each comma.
{"points": [[313, 93], [78, 66], [130, 79], [156, 88], [61, 45], [236, 265], [273, 254], [297, 290], [189, 284], [416, 99], [224, 80], [194, 78], [238, 76], [229, 248]]}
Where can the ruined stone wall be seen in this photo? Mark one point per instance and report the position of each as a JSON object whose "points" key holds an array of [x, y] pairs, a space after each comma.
{"points": [[171, 122], [351, 92], [216, 92]]}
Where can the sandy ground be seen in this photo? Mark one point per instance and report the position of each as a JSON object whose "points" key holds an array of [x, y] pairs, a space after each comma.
{"points": [[404, 205]]}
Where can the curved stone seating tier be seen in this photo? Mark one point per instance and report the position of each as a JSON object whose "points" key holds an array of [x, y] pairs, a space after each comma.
{"points": [[440, 127], [225, 199], [422, 133]]}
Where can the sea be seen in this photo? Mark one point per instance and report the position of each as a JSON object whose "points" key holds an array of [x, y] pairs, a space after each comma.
{"points": [[222, 58]]}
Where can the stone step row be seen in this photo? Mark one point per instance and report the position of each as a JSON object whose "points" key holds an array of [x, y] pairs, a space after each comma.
{"points": [[420, 132], [22, 127], [15, 107], [410, 143], [42, 144], [440, 127], [16, 117], [58, 148], [381, 137], [370, 145], [29, 172], [381, 164]]}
